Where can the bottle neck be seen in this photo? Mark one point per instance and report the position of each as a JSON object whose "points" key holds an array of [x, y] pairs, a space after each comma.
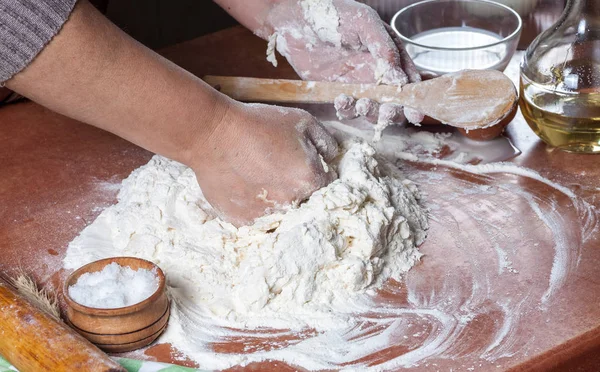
{"points": [[589, 7]]}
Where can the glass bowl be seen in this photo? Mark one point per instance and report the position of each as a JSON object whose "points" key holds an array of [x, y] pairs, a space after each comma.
{"points": [[444, 36]]}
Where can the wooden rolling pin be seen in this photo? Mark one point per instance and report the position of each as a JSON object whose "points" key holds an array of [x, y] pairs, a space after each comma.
{"points": [[33, 341], [470, 99]]}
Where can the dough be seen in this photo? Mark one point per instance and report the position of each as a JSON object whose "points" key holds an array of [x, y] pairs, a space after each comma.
{"points": [[302, 268]]}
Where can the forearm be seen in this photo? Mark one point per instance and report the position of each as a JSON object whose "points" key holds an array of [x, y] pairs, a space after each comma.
{"points": [[251, 13], [93, 72]]}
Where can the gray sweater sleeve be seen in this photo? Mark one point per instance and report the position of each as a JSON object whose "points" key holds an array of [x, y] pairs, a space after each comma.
{"points": [[26, 26]]}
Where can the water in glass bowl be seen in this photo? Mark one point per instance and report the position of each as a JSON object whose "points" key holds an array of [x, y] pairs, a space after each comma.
{"points": [[451, 49]]}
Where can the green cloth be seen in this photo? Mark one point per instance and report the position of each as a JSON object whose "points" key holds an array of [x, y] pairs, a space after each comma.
{"points": [[130, 365]]}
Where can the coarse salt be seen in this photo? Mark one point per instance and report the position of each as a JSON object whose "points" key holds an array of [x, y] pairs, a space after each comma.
{"points": [[114, 286]]}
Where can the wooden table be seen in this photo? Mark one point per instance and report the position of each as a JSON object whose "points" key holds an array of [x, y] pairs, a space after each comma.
{"points": [[56, 175]]}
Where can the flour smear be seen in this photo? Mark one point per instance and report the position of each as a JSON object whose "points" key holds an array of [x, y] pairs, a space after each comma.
{"points": [[310, 268], [313, 300], [298, 288]]}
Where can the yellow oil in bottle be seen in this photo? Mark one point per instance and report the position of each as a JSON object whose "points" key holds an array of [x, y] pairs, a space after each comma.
{"points": [[564, 119]]}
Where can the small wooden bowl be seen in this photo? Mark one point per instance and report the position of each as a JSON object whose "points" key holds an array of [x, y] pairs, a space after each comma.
{"points": [[125, 328], [492, 132], [486, 134]]}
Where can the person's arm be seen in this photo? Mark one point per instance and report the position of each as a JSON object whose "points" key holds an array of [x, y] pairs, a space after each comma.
{"points": [[95, 73], [251, 13]]}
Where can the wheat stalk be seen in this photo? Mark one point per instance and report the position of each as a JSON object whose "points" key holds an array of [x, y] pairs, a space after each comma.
{"points": [[43, 298]]}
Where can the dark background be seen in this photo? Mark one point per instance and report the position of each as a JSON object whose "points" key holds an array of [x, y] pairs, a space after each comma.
{"points": [[158, 23]]}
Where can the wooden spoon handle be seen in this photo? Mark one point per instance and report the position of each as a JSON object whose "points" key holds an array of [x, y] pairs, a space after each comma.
{"points": [[33, 341], [469, 99], [297, 91]]}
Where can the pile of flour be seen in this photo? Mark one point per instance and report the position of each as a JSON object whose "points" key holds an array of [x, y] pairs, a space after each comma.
{"points": [[305, 268]]}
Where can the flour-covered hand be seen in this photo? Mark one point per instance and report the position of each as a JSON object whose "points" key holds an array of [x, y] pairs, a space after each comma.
{"points": [[343, 41], [339, 40], [261, 158]]}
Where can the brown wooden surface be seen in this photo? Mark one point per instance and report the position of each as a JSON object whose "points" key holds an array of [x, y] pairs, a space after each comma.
{"points": [[56, 175]]}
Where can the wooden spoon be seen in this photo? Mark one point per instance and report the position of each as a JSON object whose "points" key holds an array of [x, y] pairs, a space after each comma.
{"points": [[470, 99]]}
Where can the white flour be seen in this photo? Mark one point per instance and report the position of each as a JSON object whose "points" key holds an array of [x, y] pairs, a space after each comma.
{"points": [[423, 144], [324, 19], [323, 22], [310, 267], [271, 47]]}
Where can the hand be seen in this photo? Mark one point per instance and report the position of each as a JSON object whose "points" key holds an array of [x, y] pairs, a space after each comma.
{"points": [[347, 42], [263, 157]]}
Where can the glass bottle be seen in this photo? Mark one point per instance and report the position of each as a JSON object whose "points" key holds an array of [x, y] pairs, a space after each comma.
{"points": [[560, 80]]}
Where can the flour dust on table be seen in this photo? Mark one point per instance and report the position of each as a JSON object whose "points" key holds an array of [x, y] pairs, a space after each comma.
{"points": [[308, 269]]}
